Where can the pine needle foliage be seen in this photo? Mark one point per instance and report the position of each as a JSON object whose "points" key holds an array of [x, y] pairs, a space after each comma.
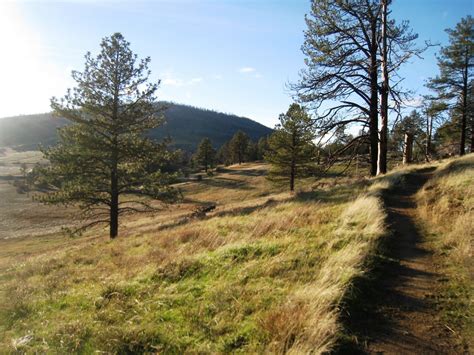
{"points": [[291, 150], [239, 147], [206, 154], [103, 162], [454, 83]]}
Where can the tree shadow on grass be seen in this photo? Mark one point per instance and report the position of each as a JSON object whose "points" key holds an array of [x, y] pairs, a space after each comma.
{"points": [[227, 183], [336, 194], [246, 172]]}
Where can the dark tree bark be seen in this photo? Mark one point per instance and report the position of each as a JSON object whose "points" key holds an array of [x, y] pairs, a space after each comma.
{"points": [[382, 158], [342, 56], [462, 143], [374, 114]]}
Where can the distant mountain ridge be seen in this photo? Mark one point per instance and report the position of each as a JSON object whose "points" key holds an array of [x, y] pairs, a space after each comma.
{"points": [[186, 125]]}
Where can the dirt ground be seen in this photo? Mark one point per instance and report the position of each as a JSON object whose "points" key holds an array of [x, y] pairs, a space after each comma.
{"points": [[404, 318]]}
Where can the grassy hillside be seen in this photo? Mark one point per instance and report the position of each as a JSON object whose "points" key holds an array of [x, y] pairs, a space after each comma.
{"points": [[446, 206], [265, 271], [186, 125]]}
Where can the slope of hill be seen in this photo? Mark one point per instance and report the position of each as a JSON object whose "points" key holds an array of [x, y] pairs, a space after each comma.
{"points": [[266, 271], [186, 126], [262, 273]]}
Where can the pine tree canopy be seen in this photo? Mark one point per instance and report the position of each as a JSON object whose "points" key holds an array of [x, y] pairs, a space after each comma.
{"points": [[103, 162], [206, 154], [239, 147], [453, 85], [291, 150]]}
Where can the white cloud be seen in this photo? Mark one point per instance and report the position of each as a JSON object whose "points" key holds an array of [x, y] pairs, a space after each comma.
{"points": [[250, 71], [414, 102], [194, 81], [170, 80], [247, 70], [217, 76]]}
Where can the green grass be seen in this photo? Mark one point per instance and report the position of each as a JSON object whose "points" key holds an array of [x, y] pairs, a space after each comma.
{"points": [[265, 272]]}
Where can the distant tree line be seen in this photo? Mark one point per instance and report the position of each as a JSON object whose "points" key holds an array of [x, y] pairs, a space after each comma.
{"points": [[239, 149]]}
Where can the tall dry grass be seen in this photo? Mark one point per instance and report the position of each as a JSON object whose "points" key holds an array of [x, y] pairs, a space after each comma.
{"points": [[446, 206], [267, 277]]}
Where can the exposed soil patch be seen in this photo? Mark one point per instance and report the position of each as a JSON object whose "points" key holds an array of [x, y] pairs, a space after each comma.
{"points": [[399, 314]]}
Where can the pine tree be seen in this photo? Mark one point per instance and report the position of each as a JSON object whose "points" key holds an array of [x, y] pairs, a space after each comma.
{"points": [[341, 46], [103, 158], [452, 85], [432, 111], [290, 148], [252, 151], [206, 154], [239, 147], [262, 146], [224, 155]]}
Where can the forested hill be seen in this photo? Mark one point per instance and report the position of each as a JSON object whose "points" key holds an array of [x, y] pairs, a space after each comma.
{"points": [[186, 125]]}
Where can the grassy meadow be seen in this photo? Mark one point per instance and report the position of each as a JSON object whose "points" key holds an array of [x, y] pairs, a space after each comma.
{"points": [[266, 271]]}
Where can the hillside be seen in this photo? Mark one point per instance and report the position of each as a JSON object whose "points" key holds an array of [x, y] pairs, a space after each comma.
{"points": [[186, 126], [266, 271], [245, 278]]}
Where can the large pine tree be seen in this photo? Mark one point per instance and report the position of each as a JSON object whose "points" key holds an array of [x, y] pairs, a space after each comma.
{"points": [[206, 154], [103, 162], [455, 64], [290, 148], [342, 75], [239, 147]]}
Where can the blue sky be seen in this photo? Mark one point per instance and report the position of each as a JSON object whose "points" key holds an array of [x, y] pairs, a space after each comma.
{"points": [[229, 55]]}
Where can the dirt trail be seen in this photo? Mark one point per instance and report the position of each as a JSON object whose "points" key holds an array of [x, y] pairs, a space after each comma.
{"points": [[404, 318]]}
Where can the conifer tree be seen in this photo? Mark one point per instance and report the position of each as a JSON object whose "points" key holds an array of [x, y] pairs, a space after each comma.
{"points": [[342, 76], [252, 151], [206, 154], [239, 147], [452, 85], [290, 148], [262, 147], [224, 155], [103, 158]]}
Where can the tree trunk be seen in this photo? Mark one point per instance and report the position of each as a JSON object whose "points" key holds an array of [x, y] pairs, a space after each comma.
{"points": [[472, 132], [462, 147], [429, 130], [114, 206], [292, 176], [382, 153], [293, 162], [373, 112], [408, 148]]}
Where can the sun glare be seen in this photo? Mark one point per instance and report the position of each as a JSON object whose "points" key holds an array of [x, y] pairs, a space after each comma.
{"points": [[26, 76]]}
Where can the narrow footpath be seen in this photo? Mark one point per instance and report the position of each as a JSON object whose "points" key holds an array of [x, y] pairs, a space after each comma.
{"points": [[402, 317]]}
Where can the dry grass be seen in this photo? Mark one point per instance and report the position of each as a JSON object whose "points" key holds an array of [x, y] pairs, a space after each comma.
{"points": [[265, 272], [446, 205]]}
